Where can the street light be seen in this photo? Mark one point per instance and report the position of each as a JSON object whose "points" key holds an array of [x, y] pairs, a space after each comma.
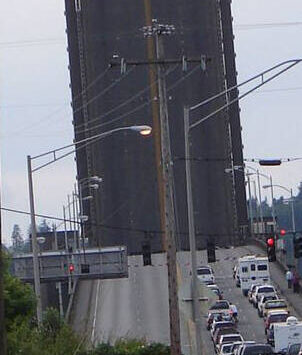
{"points": [[269, 177], [291, 200], [143, 130]]}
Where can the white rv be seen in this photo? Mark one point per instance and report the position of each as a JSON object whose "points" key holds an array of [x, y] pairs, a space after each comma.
{"points": [[285, 334], [252, 269]]}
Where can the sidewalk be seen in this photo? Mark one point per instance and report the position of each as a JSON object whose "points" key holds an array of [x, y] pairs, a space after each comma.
{"points": [[278, 277]]}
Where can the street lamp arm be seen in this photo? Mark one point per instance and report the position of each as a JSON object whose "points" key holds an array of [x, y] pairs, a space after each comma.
{"points": [[263, 82], [144, 130], [293, 62], [282, 187], [276, 185]]}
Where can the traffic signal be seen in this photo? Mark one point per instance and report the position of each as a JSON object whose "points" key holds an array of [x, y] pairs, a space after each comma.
{"points": [[211, 251], [270, 162], [71, 268], [271, 250], [282, 232], [298, 246], [146, 249]]}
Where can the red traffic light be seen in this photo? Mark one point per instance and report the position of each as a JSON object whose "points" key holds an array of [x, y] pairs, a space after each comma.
{"points": [[71, 268], [270, 242], [282, 231]]}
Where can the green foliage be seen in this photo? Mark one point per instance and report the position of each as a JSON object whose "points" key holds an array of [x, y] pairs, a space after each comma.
{"points": [[19, 299], [131, 347], [54, 337], [43, 227]]}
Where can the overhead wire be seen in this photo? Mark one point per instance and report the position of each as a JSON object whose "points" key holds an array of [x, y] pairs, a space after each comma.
{"points": [[104, 91], [55, 112], [105, 226], [138, 108], [132, 98]]}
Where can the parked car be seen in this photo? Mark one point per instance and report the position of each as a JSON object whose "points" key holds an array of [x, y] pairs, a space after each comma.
{"points": [[275, 317], [217, 315], [216, 290], [293, 349], [206, 275], [222, 331], [274, 305], [260, 291], [262, 301], [228, 339], [251, 291], [255, 349], [236, 345], [217, 325]]}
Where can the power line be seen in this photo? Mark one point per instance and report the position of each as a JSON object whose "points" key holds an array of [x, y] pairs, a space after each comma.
{"points": [[146, 103], [47, 117], [105, 226], [267, 25], [132, 98], [103, 91]]}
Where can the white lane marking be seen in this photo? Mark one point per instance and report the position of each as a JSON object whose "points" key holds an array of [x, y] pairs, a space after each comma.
{"points": [[95, 311]]}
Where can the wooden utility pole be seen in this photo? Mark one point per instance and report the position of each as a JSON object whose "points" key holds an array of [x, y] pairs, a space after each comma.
{"points": [[163, 149], [158, 31]]}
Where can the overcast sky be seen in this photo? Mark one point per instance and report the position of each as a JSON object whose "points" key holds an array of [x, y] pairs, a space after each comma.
{"points": [[35, 96]]}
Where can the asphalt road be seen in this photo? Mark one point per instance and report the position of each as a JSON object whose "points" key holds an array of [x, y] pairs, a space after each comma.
{"points": [[137, 307]]}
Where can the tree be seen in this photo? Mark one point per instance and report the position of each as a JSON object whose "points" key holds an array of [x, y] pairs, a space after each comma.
{"points": [[17, 238], [43, 227]]}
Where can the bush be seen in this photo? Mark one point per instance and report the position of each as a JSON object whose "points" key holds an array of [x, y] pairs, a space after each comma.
{"points": [[131, 347], [54, 337]]}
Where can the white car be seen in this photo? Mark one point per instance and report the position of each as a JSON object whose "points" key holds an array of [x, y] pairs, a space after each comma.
{"points": [[206, 275], [262, 290], [262, 301], [228, 339], [251, 291]]}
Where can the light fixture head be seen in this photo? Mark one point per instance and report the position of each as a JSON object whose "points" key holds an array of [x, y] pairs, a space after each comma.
{"points": [[143, 130]]}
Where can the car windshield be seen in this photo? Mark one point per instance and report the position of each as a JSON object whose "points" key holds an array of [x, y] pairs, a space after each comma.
{"points": [[220, 305], [203, 272], [226, 349], [275, 304], [223, 325], [231, 339], [266, 289]]}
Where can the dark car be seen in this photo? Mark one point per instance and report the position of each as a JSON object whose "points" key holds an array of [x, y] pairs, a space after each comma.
{"points": [[275, 317], [293, 349], [256, 349], [217, 316], [222, 331], [223, 324]]}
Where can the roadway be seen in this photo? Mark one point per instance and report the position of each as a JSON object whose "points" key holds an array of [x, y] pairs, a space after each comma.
{"points": [[137, 307]]}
